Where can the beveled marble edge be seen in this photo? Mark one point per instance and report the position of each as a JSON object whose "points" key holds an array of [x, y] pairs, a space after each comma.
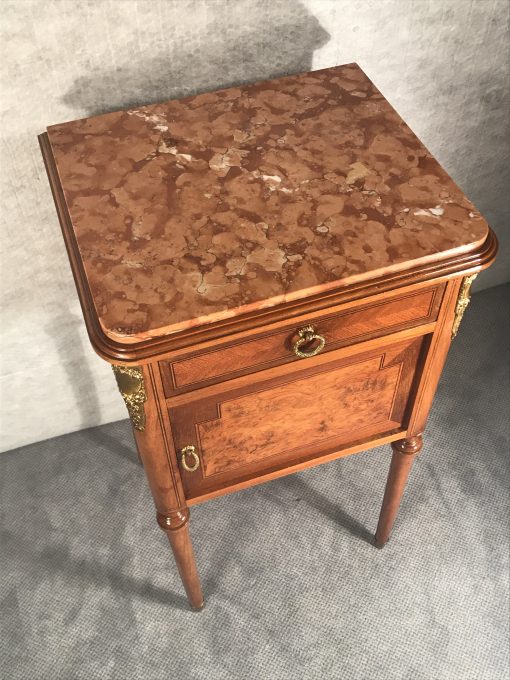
{"points": [[145, 351], [280, 300]]}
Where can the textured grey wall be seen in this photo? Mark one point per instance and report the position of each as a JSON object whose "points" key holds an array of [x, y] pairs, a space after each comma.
{"points": [[442, 64]]}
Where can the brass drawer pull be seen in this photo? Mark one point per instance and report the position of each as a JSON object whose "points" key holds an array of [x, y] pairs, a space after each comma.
{"points": [[306, 335], [190, 451]]}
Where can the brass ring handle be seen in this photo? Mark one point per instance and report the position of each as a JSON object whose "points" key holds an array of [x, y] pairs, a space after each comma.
{"points": [[306, 335], [189, 451]]}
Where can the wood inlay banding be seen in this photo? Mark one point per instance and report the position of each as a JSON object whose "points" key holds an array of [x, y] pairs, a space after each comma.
{"points": [[338, 328]]}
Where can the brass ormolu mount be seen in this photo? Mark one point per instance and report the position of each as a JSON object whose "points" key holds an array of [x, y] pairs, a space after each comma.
{"points": [[132, 388], [462, 302]]}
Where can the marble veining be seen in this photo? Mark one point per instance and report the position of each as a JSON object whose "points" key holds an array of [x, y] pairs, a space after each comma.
{"points": [[207, 207]]}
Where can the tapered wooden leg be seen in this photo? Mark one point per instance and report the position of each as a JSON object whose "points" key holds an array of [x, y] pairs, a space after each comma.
{"points": [[404, 453], [175, 525], [143, 393]]}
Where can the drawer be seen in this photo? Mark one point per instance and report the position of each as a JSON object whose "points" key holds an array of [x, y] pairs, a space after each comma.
{"points": [[338, 326], [255, 425]]}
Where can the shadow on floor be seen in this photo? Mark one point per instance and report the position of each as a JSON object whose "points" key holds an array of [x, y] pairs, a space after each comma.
{"points": [[318, 501], [56, 558]]}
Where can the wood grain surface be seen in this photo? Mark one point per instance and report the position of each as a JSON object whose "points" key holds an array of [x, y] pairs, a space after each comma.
{"points": [[295, 412], [339, 328]]}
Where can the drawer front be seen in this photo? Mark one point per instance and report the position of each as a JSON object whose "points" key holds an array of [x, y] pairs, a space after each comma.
{"points": [[339, 328], [300, 412]]}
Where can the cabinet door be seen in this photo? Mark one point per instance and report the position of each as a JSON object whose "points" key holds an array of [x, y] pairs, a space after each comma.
{"points": [[276, 418]]}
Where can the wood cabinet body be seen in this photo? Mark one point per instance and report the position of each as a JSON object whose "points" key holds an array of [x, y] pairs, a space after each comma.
{"points": [[255, 391]]}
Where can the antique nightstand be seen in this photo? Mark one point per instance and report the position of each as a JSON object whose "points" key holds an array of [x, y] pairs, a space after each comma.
{"points": [[275, 273]]}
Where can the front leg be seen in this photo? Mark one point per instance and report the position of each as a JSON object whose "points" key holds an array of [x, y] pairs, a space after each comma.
{"points": [[405, 450], [404, 453], [140, 387], [176, 528]]}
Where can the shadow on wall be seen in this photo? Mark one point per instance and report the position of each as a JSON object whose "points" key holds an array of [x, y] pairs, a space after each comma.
{"points": [[260, 43]]}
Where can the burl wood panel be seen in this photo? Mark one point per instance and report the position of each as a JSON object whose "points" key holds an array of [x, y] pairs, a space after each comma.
{"points": [[193, 211], [339, 328], [298, 414], [273, 421]]}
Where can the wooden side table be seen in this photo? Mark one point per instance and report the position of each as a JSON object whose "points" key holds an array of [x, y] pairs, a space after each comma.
{"points": [[275, 273]]}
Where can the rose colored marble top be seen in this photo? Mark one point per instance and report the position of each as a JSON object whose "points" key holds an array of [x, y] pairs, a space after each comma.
{"points": [[207, 207]]}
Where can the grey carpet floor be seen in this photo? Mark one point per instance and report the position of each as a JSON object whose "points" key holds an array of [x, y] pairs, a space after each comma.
{"points": [[294, 588]]}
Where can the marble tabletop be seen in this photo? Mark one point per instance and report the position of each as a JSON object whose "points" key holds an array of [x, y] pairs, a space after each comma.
{"points": [[207, 207]]}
